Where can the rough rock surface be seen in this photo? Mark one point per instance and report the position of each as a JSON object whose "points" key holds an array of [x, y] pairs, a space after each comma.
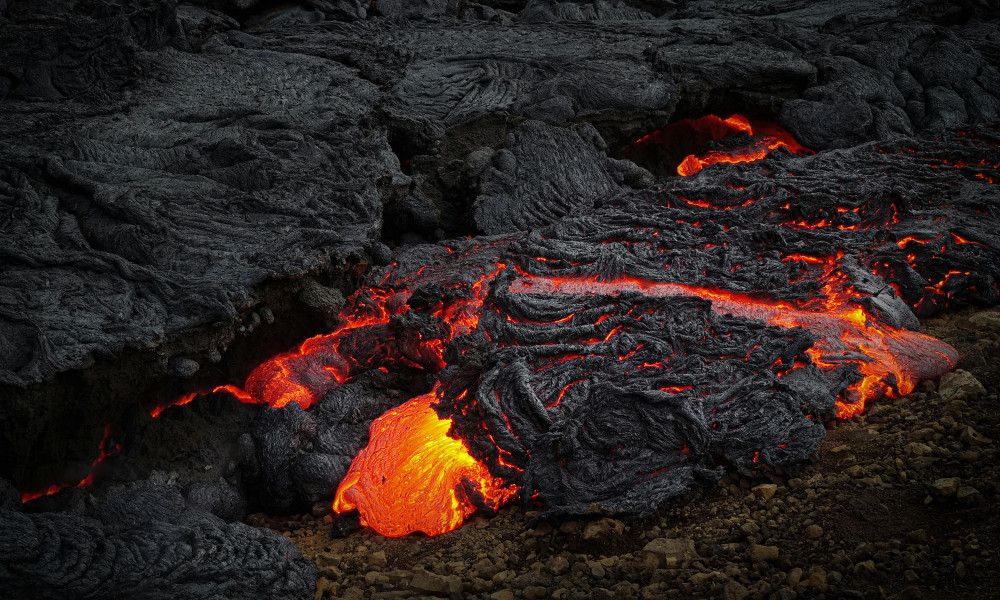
{"points": [[146, 544], [174, 174]]}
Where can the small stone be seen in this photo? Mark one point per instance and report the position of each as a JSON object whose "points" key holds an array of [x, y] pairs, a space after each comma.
{"points": [[816, 579], [785, 593], [759, 554], [668, 553], [973, 438], [436, 585], [910, 592], [855, 471], [398, 575], [917, 536], [765, 491], [922, 435], [945, 487], [183, 367], [381, 254], [968, 495], [960, 570], [557, 565], [865, 568], [814, 532], [378, 559], [603, 528], [316, 295], [699, 578], [597, 570], [560, 594], [322, 584], [535, 592], [504, 594], [960, 385], [570, 527], [750, 528], [734, 590], [543, 528], [353, 593], [918, 449], [794, 577]]}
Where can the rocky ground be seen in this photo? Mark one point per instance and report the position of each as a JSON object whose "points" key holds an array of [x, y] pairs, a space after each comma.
{"points": [[901, 502]]}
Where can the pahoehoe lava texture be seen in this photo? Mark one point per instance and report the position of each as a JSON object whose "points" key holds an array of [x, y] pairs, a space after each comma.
{"points": [[146, 544], [161, 161], [191, 160]]}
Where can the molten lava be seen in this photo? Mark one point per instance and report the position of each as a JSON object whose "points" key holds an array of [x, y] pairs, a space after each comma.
{"points": [[694, 135], [768, 137], [413, 477]]}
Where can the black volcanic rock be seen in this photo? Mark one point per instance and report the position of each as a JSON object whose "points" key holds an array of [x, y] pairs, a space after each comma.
{"points": [[544, 174], [146, 544]]}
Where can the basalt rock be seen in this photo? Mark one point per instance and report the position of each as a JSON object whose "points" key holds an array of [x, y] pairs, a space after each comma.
{"points": [[147, 544]]}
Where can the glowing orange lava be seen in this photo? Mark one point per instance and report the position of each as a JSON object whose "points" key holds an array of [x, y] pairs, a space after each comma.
{"points": [[764, 138], [413, 477]]}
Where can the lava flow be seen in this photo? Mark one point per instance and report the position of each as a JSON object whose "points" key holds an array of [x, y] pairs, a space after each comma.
{"points": [[414, 477], [696, 134], [107, 449], [573, 358], [891, 361]]}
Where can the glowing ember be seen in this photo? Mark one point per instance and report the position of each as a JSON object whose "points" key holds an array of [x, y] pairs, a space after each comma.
{"points": [[413, 477]]}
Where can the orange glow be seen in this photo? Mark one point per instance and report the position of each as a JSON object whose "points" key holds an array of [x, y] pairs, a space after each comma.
{"points": [[413, 477], [106, 451], [767, 138], [185, 399]]}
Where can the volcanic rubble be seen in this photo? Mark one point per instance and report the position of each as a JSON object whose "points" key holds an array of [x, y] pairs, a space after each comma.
{"points": [[664, 298]]}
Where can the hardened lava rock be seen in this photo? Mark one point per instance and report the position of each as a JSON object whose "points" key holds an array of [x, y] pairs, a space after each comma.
{"points": [[300, 456], [146, 544], [629, 400]]}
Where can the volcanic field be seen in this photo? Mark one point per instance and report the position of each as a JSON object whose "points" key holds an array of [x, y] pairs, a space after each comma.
{"points": [[500, 299]]}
